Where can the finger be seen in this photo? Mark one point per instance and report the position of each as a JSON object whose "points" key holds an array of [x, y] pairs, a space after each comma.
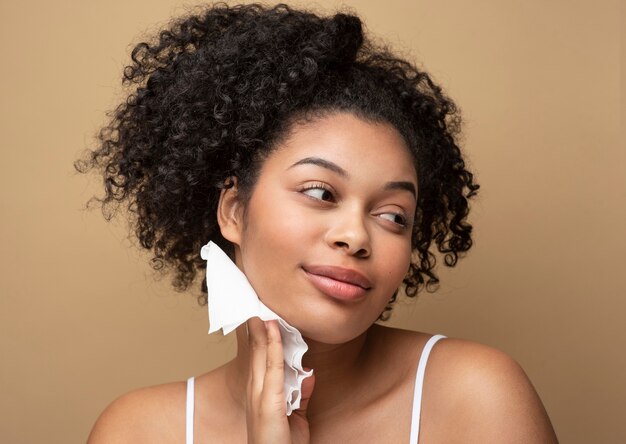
{"points": [[274, 387], [257, 344]]}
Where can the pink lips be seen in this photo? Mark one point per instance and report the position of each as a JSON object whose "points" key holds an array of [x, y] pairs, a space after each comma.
{"points": [[339, 283]]}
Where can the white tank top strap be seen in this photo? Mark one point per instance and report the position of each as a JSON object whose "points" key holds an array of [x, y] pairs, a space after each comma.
{"points": [[419, 382], [190, 411]]}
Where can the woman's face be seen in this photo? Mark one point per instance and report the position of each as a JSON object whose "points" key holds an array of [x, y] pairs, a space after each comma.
{"points": [[326, 239]]}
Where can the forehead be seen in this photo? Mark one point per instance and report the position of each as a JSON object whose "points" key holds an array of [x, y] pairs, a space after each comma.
{"points": [[355, 144]]}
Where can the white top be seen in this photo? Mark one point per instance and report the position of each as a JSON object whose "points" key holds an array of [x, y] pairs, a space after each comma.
{"points": [[417, 396]]}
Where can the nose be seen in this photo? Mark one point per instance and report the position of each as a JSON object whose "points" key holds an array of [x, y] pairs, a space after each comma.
{"points": [[349, 233]]}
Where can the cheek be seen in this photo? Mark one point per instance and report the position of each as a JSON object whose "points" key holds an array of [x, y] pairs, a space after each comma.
{"points": [[398, 258], [274, 226], [272, 244]]}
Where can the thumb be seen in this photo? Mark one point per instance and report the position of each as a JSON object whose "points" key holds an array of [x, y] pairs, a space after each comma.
{"points": [[298, 422], [308, 384]]}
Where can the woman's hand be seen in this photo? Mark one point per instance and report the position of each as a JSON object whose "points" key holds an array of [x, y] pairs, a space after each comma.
{"points": [[266, 414]]}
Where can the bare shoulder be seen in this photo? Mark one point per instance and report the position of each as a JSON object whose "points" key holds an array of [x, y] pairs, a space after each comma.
{"points": [[151, 414], [485, 393]]}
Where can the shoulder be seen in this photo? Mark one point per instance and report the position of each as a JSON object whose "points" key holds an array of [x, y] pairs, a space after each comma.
{"points": [[485, 393], [149, 414]]}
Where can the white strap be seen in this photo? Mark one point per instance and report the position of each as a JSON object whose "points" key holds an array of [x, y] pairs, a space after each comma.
{"points": [[419, 382], [190, 409]]}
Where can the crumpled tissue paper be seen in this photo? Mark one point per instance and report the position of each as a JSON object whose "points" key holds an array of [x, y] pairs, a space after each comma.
{"points": [[232, 301]]}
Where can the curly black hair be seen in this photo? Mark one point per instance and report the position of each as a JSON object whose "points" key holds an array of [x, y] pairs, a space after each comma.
{"points": [[211, 96]]}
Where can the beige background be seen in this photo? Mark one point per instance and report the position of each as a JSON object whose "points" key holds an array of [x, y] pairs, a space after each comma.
{"points": [[82, 320]]}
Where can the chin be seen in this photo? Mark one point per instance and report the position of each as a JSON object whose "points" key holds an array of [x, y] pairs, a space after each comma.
{"points": [[329, 334]]}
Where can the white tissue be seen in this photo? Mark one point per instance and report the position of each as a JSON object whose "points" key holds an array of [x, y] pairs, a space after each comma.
{"points": [[232, 301]]}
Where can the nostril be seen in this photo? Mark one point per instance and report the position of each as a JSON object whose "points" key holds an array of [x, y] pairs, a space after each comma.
{"points": [[362, 253]]}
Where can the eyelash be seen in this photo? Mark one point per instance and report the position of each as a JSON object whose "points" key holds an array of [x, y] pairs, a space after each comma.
{"points": [[402, 224], [317, 186], [326, 188]]}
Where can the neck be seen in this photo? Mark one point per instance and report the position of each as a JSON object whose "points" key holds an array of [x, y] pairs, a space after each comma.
{"points": [[338, 369]]}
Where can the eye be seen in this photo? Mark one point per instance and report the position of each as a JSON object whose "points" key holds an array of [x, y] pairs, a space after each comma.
{"points": [[396, 218], [318, 191]]}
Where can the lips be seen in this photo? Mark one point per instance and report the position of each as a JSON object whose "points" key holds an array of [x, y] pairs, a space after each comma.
{"points": [[339, 283], [340, 274]]}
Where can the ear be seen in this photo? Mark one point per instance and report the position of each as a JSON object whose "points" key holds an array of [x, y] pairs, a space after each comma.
{"points": [[230, 213]]}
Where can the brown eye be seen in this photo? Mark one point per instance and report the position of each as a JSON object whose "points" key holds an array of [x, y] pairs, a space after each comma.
{"points": [[396, 218], [318, 192]]}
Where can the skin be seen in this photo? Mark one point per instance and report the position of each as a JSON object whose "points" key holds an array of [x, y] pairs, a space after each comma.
{"points": [[304, 213]]}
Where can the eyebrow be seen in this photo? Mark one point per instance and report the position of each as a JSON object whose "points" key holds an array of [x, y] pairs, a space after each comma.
{"points": [[395, 185], [322, 163], [401, 185]]}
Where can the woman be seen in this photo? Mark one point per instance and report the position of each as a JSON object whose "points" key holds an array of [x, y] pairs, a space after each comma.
{"points": [[325, 167]]}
